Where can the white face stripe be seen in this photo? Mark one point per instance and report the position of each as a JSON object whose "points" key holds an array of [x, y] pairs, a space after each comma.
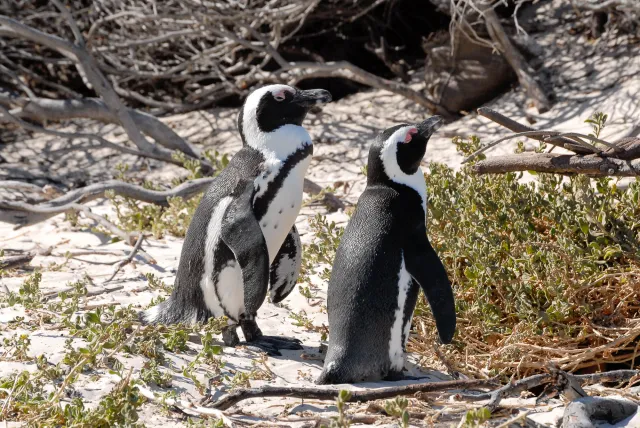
{"points": [[389, 158]]}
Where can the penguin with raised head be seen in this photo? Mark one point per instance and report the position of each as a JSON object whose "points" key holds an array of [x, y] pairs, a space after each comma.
{"points": [[242, 242], [383, 259]]}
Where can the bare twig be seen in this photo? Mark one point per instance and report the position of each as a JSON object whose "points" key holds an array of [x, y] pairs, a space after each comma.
{"points": [[186, 406], [16, 261], [53, 294], [619, 160], [518, 127], [515, 59], [22, 213], [331, 394], [127, 259]]}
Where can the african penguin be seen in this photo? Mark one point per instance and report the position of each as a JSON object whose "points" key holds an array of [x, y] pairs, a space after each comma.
{"points": [[383, 259], [242, 241]]}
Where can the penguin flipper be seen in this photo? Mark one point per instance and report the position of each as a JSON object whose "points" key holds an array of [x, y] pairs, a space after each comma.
{"points": [[285, 268], [424, 265], [241, 232]]}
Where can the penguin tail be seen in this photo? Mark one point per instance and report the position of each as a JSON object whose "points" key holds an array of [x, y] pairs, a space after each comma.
{"points": [[152, 315], [169, 312]]}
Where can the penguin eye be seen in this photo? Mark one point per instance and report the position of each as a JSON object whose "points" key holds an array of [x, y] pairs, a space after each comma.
{"points": [[280, 96]]}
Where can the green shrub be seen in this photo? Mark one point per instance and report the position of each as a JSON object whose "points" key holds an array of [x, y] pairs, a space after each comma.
{"points": [[540, 264]]}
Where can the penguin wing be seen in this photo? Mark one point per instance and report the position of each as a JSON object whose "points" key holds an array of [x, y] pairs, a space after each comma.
{"points": [[241, 232], [424, 265], [285, 267]]}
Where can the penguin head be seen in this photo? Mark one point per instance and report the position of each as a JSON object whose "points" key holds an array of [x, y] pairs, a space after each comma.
{"points": [[397, 151], [271, 108]]}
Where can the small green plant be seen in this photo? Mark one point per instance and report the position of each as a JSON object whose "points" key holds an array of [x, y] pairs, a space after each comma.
{"points": [[476, 417], [28, 295], [398, 408], [322, 251], [151, 374], [16, 347], [342, 420], [156, 283], [598, 121]]}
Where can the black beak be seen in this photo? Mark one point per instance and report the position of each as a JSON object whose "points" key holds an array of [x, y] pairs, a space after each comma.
{"points": [[429, 126], [311, 97]]}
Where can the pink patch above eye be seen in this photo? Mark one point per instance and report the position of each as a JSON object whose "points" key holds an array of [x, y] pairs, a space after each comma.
{"points": [[280, 95], [410, 134]]}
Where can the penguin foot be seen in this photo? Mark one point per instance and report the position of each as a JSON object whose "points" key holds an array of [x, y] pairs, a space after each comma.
{"points": [[397, 376], [273, 344], [282, 342], [258, 346]]}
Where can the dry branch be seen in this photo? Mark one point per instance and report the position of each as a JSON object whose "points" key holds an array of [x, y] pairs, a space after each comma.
{"points": [[620, 159], [331, 394], [186, 406], [127, 259], [518, 127], [47, 109], [557, 377], [515, 59], [13, 262]]}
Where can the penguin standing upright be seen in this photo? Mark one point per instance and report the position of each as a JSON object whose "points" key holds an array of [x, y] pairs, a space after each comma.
{"points": [[383, 259], [242, 241]]}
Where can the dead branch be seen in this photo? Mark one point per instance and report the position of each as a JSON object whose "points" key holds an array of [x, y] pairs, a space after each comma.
{"points": [[620, 159], [329, 199], [515, 59], [528, 383], [53, 294], [296, 72], [24, 214], [186, 406], [331, 394], [47, 109], [13, 262], [518, 127], [186, 190], [129, 238], [127, 259], [95, 79]]}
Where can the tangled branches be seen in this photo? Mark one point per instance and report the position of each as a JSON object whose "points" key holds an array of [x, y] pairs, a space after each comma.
{"points": [[177, 56], [620, 158]]}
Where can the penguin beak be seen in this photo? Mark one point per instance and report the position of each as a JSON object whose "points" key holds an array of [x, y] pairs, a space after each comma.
{"points": [[429, 126], [311, 97]]}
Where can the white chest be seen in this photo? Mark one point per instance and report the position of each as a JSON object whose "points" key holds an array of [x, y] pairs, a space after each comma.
{"points": [[284, 207]]}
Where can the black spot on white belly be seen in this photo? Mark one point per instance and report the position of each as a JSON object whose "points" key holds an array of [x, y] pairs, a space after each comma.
{"points": [[275, 226], [264, 224]]}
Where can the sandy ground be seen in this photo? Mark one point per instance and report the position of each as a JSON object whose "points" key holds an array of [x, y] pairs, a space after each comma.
{"points": [[593, 77]]}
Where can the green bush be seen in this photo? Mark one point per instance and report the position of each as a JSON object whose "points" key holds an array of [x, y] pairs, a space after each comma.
{"points": [[538, 268]]}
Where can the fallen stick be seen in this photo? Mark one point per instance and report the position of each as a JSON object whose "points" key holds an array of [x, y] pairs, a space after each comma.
{"points": [[184, 405], [514, 126], [53, 294], [331, 394], [330, 200], [531, 382], [127, 259], [16, 261]]}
